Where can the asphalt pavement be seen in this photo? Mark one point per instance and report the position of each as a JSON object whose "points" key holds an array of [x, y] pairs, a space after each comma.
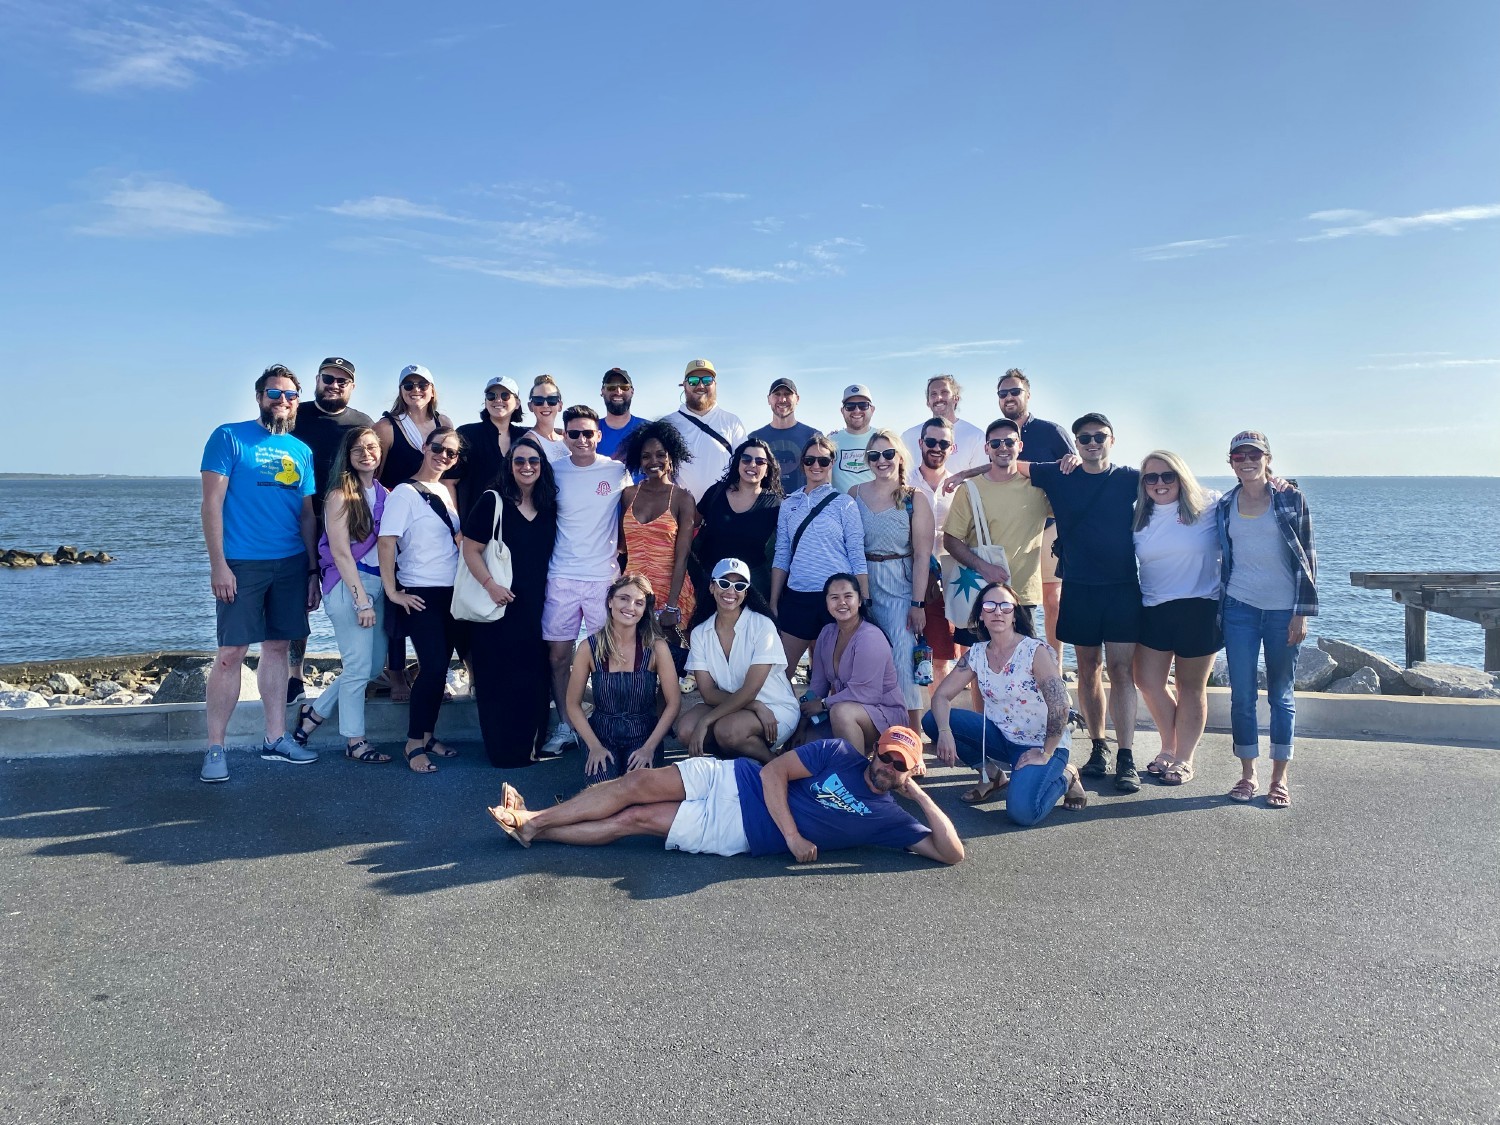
{"points": [[352, 943]]}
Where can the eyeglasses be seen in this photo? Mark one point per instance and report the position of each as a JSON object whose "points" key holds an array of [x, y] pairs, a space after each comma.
{"points": [[937, 443], [997, 607], [503, 396], [821, 462], [335, 380], [873, 455], [1009, 392], [1001, 442], [276, 394], [445, 451], [729, 584], [746, 459], [546, 400], [1168, 477], [895, 760], [581, 435], [1095, 438], [858, 406], [1236, 457], [520, 461], [699, 380]]}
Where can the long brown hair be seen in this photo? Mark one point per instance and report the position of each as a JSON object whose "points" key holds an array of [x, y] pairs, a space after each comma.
{"points": [[343, 482]]}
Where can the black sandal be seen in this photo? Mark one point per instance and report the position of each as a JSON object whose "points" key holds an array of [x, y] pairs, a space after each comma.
{"points": [[305, 713], [412, 753], [445, 752], [362, 751]]}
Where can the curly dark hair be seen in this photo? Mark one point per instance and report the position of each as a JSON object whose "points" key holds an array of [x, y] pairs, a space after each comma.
{"points": [[666, 433], [770, 484]]}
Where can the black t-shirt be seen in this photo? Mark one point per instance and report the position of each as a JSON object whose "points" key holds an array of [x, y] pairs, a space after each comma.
{"points": [[1042, 440], [1094, 515], [323, 433]]}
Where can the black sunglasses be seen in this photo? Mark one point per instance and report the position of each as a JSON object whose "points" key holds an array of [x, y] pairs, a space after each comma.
{"points": [[1009, 392], [526, 461], [546, 400], [821, 462], [577, 434], [443, 451], [857, 406], [999, 442], [415, 385], [335, 380], [1168, 477], [873, 455], [1096, 438], [895, 760], [503, 396], [937, 443], [746, 459]]}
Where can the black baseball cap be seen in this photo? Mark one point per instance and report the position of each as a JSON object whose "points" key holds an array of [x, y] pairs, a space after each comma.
{"points": [[618, 375], [784, 382], [340, 362]]}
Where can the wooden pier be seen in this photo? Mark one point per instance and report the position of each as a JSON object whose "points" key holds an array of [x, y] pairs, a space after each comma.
{"points": [[1468, 595]]}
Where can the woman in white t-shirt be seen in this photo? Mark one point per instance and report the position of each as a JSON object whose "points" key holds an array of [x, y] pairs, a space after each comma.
{"points": [[418, 548], [1177, 550], [546, 405], [739, 665]]}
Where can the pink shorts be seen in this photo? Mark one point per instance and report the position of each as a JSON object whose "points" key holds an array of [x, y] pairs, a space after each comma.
{"points": [[573, 606]]}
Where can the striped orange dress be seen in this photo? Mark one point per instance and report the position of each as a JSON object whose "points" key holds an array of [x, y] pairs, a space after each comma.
{"points": [[651, 549]]}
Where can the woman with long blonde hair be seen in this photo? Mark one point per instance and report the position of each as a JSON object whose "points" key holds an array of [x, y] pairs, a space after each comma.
{"points": [[630, 667], [896, 515]]}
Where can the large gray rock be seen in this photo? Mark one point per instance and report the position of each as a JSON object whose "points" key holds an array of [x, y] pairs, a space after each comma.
{"points": [[65, 683], [1451, 680], [104, 689], [1364, 681], [188, 683], [1351, 658], [20, 700], [1315, 669]]}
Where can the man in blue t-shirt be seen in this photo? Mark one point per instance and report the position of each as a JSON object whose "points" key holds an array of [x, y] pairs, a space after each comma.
{"points": [[1100, 614], [260, 530], [617, 423], [824, 795]]}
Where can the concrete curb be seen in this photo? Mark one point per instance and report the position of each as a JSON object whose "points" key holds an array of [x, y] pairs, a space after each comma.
{"points": [[180, 726]]}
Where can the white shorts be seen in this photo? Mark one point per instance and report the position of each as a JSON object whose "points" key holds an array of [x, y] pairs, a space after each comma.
{"points": [[708, 820]]}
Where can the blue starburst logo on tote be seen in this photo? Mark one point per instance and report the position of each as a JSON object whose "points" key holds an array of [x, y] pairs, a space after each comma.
{"points": [[968, 581]]}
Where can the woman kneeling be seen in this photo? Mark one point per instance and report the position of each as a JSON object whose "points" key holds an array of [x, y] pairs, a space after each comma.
{"points": [[853, 678], [1025, 718]]}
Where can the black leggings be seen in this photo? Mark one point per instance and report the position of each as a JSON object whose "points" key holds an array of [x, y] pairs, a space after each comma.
{"points": [[434, 635]]}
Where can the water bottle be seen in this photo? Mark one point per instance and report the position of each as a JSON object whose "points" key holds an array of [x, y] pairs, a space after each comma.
{"points": [[921, 663], [822, 716]]}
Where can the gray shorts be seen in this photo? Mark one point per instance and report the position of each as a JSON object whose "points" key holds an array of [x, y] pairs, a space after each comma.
{"points": [[270, 602]]}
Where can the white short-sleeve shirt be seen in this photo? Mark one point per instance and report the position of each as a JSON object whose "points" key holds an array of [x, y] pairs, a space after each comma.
{"points": [[755, 642], [968, 450], [426, 554], [710, 458], [588, 518]]}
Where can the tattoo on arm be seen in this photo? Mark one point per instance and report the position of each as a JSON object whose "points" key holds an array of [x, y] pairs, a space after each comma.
{"points": [[1056, 697]]}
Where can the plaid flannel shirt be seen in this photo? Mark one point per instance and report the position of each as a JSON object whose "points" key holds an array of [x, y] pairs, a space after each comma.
{"points": [[1290, 509]]}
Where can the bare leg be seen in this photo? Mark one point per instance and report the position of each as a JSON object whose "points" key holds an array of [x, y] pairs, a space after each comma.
{"points": [[1122, 702], [852, 723], [560, 657], [740, 735], [602, 801], [1192, 703], [1051, 602], [270, 678], [1151, 666], [688, 721], [1091, 689], [223, 691], [637, 820], [795, 648]]}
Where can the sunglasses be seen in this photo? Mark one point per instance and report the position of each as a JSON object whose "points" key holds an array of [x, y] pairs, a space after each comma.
{"points": [[335, 380], [873, 455], [1001, 443], [415, 385], [857, 406], [746, 459], [730, 584], [937, 443], [546, 400], [443, 451], [276, 394], [1010, 392], [1168, 477], [532, 461], [821, 462], [895, 760], [699, 380], [997, 607], [1096, 439], [579, 435], [1247, 455], [503, 396]]}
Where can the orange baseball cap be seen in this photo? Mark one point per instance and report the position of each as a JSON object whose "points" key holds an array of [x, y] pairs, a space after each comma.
{"points": [[903, 741]]}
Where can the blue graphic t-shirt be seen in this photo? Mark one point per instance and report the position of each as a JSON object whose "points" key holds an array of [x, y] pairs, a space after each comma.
{"points": [[833, 808], [269, 474]]}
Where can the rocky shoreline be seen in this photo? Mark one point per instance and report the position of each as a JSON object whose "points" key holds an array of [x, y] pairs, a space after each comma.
{"points": [[66, 555]]}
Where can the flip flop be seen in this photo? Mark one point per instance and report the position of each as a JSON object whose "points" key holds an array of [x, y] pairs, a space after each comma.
{"points": [[498, 815], [1243, 791], [510, 797]]}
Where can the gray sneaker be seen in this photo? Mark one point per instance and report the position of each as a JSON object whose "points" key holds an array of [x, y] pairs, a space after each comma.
{"points": [[215, 765], [285, 750]]}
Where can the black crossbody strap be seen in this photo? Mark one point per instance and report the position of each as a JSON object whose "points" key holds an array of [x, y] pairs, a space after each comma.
{"points": [[801, 527], [710, 431], [436, 505]]}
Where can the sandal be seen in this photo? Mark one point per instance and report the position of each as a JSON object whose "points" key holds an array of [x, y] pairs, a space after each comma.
{"points": [[510, 797], [502, 816], [362, 751], [415, 752], [437, 748], [1075, 800], [1159, 766], [985, 790], [1243, 791], [1278, 796], [306, 714], [1179, 774]]}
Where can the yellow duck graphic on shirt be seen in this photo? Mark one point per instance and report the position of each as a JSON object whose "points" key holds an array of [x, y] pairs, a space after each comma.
{"points": [[288, 475]]}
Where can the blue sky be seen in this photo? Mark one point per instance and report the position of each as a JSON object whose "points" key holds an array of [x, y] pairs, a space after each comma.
{"points": [[1193, 217]]}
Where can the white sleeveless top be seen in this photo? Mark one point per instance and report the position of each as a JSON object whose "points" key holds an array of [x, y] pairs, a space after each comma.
{"points": [[1012, 700]]}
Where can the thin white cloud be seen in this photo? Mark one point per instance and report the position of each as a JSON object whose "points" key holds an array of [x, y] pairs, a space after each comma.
{"points": [[872, 206], [826, 258], [1341, 215], [832, 249], [1431, 364], [553, 230], [564, 277], [732, 273], [146, 47], [558, 226], [1186, 249], [151, 207], [949, 351], [1394, 226], [391, 207], [718, 196], [769, 225]]}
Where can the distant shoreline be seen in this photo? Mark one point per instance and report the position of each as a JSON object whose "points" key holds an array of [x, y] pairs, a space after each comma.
{"points": [[85, 476]]}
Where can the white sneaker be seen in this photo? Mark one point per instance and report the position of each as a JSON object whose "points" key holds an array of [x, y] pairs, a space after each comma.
{"points": [[559, 741]]}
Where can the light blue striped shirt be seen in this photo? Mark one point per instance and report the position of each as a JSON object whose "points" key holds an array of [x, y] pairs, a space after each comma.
{"points": [[834, 542]]}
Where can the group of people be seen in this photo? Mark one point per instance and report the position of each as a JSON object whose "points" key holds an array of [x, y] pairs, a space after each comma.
{"points": [[636, 552]]}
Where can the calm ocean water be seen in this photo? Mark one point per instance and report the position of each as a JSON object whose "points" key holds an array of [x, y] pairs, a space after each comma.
{"points": [[156, 595]]}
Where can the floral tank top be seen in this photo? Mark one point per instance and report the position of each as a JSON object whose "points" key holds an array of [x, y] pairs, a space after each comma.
{"points": [[1012, 700]]}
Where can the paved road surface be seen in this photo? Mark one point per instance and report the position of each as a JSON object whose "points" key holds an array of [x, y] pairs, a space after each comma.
{"points": [[346, 943]]}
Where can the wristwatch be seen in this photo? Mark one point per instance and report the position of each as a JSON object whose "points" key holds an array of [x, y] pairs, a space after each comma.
{"points": [[919, 605]]}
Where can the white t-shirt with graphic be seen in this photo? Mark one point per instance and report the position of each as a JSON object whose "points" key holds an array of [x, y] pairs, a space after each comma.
{"points": [[850, 467], [588, 518]]}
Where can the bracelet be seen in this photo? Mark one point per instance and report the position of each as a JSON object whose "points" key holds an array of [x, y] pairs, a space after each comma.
{"points": [[919, 605], [945, 730]]}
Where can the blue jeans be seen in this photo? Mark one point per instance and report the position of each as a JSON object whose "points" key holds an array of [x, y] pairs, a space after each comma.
{"points": [[362, 650], [1033, 791], [1247, 631]]}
